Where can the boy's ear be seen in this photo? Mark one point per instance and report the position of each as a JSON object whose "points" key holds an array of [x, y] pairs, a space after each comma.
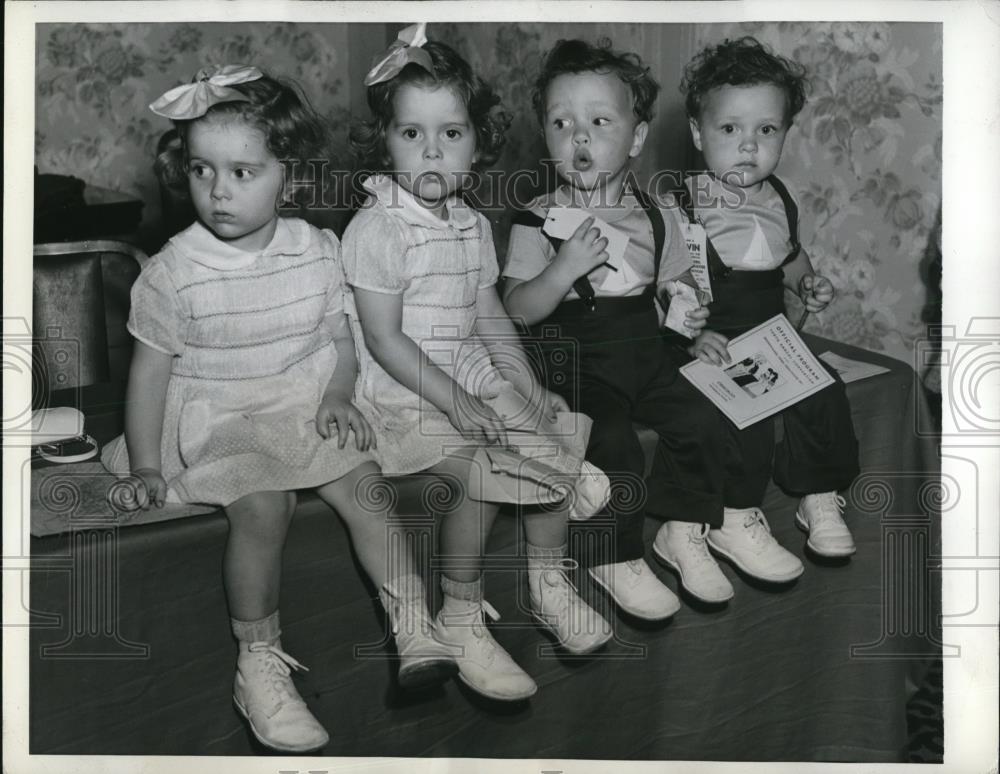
{"points": [[638, 138], [695, 132]]}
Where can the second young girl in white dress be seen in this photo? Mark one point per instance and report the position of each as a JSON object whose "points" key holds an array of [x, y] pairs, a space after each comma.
{"points": [[432, 330]]}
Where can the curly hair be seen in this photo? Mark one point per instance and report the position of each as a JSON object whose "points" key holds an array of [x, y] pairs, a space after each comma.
{"points": [[577, 56], [743, 62], [367, 138], [292, 129]]}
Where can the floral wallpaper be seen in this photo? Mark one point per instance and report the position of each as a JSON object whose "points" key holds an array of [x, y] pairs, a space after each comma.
{"points": [[864, 158], [94, 83], [510, 56], [865, 161]]}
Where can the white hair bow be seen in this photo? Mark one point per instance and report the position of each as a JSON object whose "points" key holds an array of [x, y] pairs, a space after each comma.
{"points": [[209, 87], [404, 50]]}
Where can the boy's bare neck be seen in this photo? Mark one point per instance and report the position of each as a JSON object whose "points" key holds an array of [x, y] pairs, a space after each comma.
{"points": [[600, 198], [748, 190]]}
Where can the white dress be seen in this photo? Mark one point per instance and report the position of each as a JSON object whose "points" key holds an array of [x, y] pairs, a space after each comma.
{"points": [[395, 246], [251, 335]]}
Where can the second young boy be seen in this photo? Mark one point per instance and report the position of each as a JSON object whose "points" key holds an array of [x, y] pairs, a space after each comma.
{"points": [[595, 105], [741, 99]]}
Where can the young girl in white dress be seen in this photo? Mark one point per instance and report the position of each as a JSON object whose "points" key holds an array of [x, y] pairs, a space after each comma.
{"points": [[241, 383], [431, 334]]}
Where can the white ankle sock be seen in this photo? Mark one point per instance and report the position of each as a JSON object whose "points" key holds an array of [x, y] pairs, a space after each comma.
{"points": [[267, 629]]}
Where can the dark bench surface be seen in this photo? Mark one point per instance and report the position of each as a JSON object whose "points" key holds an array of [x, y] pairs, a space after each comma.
{"points": [[814, 671]]}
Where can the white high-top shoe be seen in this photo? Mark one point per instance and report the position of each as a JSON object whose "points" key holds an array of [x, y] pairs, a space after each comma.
{"points": [[556, 604], [635, 588], [265, 695], [821, 515], [681, 546], [483, 664], [745, 539], [423, 659]]}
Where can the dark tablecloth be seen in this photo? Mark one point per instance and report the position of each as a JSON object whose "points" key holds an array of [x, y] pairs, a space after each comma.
{"points": [[138, 658]]}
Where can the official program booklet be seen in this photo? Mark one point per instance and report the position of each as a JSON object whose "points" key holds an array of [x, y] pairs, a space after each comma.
{"points": [[771, 369]]}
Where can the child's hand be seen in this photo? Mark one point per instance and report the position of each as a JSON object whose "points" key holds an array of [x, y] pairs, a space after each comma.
{"points": [[816, 292], [697, 318], [584, 251], [694, 319], [475, 420], [711, 347], [335, 409], [552, 404], [155, 486]]}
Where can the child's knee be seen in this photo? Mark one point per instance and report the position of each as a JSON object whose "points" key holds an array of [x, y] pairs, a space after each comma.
{"points": [[452, 475], [614, 445], [263, 514], [699, 419], [362, 494]]}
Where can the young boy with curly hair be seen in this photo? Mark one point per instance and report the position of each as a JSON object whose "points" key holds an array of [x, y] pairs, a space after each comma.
{"points": [[599, 332], [741, 100]]}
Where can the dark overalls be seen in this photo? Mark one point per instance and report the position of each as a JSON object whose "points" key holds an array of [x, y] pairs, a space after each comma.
{"points": [[606, 357], [819, 451]]}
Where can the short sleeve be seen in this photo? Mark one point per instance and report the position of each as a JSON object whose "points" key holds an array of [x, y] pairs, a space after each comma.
{"points": [[330, 246], [528, 253], [157, 318], [675, 260], [373, 253], [489, 271]]}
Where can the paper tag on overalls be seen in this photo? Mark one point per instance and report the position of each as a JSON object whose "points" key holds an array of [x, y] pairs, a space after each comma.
{"points": [[694, 237]]}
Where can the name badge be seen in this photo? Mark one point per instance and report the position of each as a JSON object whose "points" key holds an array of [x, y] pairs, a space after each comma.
{"points": [[694, 237]]}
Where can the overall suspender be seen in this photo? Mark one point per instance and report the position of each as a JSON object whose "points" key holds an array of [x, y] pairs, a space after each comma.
{"points": [[791, 214], [718, 270], [582, 285]]}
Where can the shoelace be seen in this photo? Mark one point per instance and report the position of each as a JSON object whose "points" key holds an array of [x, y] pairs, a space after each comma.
{"points": [[697, 537], [554, 575], [284, 663], [830, 507], [278, 664], [479, 626], [554, 572], [478, 622], [490, 611], [760, 530]]}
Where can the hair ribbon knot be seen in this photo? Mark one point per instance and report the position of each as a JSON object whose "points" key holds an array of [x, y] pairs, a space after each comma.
{"points": [[405, 49], [209, 87]]}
